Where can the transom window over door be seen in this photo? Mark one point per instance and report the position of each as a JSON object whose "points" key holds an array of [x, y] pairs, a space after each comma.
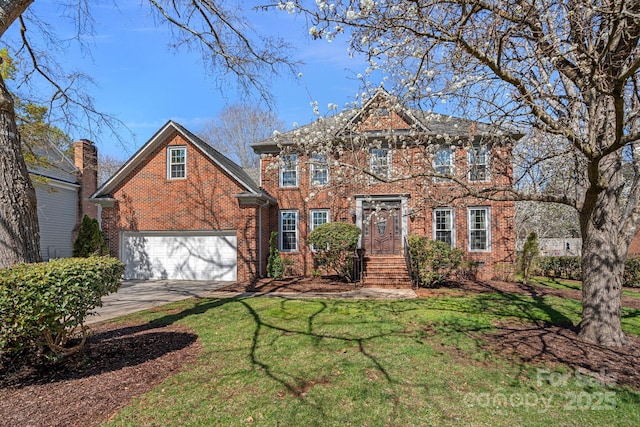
{"points": [[379, 162], [176, 162], [479, 229], [288, 231], [443, 225]]}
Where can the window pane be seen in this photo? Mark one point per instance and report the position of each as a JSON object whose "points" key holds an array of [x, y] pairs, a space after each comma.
{"points": [[177, 163], [319, 169], [289, 171], [379, 162], [319, 218], [478, 164], [443, 162], [444, 226], [478, 231], [289, 230]]}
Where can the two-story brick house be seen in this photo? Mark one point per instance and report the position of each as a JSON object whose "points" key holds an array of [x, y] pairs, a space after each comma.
{"points": [[393, 172], [179, 209]]}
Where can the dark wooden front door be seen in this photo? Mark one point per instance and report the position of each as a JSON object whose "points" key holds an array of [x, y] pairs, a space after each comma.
{"points": [[382, 230]]}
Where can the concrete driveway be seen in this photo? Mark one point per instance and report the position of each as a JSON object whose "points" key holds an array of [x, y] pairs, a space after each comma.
{"points": [[136, 295]]}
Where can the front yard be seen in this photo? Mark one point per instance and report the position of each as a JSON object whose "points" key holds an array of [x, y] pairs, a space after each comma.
{"points": [[473, 358]]}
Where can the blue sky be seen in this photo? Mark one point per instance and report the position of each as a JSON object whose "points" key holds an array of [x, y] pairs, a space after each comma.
{"points": [[143, 82]]}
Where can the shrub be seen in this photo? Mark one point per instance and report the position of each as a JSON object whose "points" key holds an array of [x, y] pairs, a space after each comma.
{"points": [[275, 267], [632, 273], [43, 304], [565, 267], [529, 254], [432, 260], [334, 245], [90, 240]]}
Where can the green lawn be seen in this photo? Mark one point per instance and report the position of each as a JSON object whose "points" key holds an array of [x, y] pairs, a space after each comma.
{"points": [[285, 362], [576, 285]]}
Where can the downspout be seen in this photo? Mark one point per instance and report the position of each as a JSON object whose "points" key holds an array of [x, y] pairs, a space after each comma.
{"points": [[266, 203]]}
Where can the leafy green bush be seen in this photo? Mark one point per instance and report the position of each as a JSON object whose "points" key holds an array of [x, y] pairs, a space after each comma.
{"points": [[432, 260], [90, 240], [565, 267], [275, 267], [334, 245], [43, 304], [632, 273]]}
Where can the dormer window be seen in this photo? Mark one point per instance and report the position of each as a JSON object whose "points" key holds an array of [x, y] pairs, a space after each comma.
{"points": [[176, 162]]}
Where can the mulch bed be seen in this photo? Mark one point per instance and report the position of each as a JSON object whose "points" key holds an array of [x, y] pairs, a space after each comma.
{"points": [[120, 362]]}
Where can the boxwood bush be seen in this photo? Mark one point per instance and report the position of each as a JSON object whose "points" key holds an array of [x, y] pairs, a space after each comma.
{"points": [[433, 261], [334, 245], [42, 305]]}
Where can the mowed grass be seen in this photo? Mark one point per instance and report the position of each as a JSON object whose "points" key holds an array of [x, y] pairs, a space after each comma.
{"points": [[576, 285], [287, 362]]}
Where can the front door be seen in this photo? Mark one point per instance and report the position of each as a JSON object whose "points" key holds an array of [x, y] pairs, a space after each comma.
{"points": [[382, 229]]}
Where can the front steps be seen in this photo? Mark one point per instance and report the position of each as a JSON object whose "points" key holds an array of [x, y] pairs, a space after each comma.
{"points": [[385, 271]]}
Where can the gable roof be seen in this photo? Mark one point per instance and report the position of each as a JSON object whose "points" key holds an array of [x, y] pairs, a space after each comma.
{"points": [[426, 122], [55, 164], [226, 164]]}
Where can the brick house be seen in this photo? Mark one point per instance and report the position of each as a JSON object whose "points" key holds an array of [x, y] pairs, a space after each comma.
{"points": [[180, 209]]}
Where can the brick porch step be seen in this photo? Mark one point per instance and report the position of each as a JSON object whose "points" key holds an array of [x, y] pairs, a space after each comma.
{"points": [[388, 271]]}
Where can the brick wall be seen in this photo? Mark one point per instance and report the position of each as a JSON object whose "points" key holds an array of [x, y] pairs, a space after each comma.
{"points": [[148, 201]]}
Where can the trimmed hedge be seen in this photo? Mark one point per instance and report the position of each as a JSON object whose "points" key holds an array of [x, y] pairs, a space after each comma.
{"points": [[43, 304], [568, 267], [433, 261], [334, 245]]}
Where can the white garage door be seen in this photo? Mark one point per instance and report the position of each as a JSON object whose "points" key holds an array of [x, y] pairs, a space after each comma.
{"points": [[179, 255]]}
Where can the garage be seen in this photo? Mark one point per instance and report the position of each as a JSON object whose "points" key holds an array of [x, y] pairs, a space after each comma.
{"points": [[179, 255]]}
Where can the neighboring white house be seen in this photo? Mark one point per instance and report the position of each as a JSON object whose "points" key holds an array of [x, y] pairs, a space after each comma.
{"points": [[62, 189], [556, 246]]}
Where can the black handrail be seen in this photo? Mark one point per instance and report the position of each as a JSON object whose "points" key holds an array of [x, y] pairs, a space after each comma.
{"points": [[413, 274]]}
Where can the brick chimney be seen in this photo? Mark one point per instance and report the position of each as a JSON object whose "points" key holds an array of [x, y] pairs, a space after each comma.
{"points": [[86, 160]]}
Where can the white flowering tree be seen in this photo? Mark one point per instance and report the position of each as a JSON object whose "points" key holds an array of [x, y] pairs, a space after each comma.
{"points": [[568, 69]]}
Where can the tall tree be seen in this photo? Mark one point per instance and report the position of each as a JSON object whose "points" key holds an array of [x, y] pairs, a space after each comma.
{"points": [[236, 127], [228, 44], [563, 68]]}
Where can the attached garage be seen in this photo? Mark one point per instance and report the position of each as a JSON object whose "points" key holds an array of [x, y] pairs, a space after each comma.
{"points": [[180, 255]]}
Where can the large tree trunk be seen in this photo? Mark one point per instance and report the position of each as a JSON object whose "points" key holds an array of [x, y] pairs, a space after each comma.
{"points": [[19, 231]]}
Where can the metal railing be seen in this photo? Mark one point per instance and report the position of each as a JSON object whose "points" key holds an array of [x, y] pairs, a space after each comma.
{"points": [[358, 265], [413, 274]]}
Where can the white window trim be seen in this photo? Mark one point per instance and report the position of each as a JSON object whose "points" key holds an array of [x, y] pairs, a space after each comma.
{"points": [[281, 172], [487, 177], [389, 162], [312, 170], [488, 226], [169, 164], [452, 164], [453, 224], [311, 225], [297, 230]]}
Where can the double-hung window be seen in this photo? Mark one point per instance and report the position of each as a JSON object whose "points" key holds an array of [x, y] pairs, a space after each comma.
{"points": [[318, 217], [444, 225], [289, 170], [478, 163], [288, 231], [479, 229], [379, 162], [443, 163], [319, 169], [176, 162]]}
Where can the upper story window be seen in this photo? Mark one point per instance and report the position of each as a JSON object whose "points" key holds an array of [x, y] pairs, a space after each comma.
{"points": [[176, 162], [478, 164], [319, 169], [479, 229], [443, 162], [380, 162], [288, 226], [444, 225], [289, 170]]}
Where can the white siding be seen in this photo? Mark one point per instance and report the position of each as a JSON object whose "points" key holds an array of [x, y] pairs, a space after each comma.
{"points": [[57, 213]]}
